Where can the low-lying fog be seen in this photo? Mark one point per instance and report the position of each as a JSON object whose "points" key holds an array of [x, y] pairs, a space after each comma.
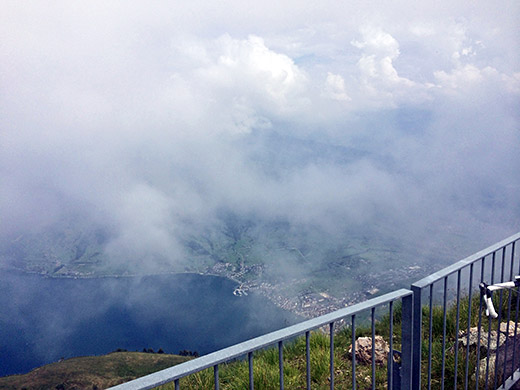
{"points": [[150, 123]]}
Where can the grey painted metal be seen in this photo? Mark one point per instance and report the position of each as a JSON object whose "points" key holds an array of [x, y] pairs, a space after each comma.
{"points": [[489, 354], [353, 327], [417, 336], [493, 261], [238, 350], [280, 362], [308, 358], [510, 293], [507, 338], [215, 377], [331, 348], [443, 274], [516, 315], [444, 306], [465, 262], [406, 343], [373, 325], [511, 381], [411, 328], [513, 362], [470, 288], [503, 269], [457, 318], [479, 327], [251, 375], [499, 319], [391, 347], [430, 338]]}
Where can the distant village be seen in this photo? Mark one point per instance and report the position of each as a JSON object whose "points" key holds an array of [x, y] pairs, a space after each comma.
{"points": [[307, 304], [251, 278]]}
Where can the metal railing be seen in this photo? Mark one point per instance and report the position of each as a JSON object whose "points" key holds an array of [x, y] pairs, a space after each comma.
{"points": [[460, 367], [458, 285], [248, 348]]}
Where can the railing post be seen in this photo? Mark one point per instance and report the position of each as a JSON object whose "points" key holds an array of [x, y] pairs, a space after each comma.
{"points": [[417, 337], [406, 343], [251, 377], [280, 363]]}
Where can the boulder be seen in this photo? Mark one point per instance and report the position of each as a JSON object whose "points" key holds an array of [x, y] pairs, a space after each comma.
{"points": [[364, 350], [509, 328], [483, 368], [504, 361], [494, 341]]}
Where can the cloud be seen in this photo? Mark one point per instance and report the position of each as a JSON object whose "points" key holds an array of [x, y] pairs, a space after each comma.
{"points": [[335, 87], [149, 120]]}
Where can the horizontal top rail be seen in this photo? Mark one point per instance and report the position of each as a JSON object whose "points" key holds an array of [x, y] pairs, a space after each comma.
{"points": [[465, 262], [238, 350]]}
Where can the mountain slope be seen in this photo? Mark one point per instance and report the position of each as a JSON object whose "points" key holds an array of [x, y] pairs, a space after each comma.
{"points": [[91, 372]]}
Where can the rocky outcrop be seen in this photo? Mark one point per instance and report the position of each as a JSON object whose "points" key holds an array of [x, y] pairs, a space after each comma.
{"points": [[502, 347], [486, 340], [364, 350]]}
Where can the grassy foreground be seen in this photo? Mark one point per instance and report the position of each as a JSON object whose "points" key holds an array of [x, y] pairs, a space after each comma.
{"points": [[235, 375], [91, 372], [108, 370]]}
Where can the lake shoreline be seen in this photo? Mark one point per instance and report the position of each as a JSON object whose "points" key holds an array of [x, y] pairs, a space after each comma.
{"points": [[46, 318]]}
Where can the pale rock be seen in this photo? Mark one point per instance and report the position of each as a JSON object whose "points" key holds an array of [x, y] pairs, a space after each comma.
{"points": [[473, 339], [483, 368], [364, 350], [508, 329]]}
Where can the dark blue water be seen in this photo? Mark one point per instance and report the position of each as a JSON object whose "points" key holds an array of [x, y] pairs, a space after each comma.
{"points": [[43, 319]]}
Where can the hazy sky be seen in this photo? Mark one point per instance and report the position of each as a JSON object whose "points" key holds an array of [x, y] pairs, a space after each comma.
{"points": [[147, 116]]}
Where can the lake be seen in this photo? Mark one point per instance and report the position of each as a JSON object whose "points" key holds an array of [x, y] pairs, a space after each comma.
{"points": [[45, 319]]}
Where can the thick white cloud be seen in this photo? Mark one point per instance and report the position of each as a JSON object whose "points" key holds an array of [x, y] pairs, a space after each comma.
{"points": [[335, 87], [147, 117]]}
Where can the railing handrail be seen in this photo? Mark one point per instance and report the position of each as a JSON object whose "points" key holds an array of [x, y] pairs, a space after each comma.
{"points": [[184, 369], [465, 262], [411, 365]]}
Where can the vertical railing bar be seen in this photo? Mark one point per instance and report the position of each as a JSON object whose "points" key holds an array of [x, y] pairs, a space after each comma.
{"points": [[511, 268], [513, 366], [430, 337], [493, 261], [251, 375], [457, 330], [470, 288], [417, 337], [391, 346], [490, 322], [280, 362], [511, 272], [215, 376], [499, 319], [444, 304], [308, 358], [509, 292], [407, 342], [176, 384], [353, 352], [503, 265], [488, 355], [477, 369], [516, 327], [373, 319], [331, 330]]}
